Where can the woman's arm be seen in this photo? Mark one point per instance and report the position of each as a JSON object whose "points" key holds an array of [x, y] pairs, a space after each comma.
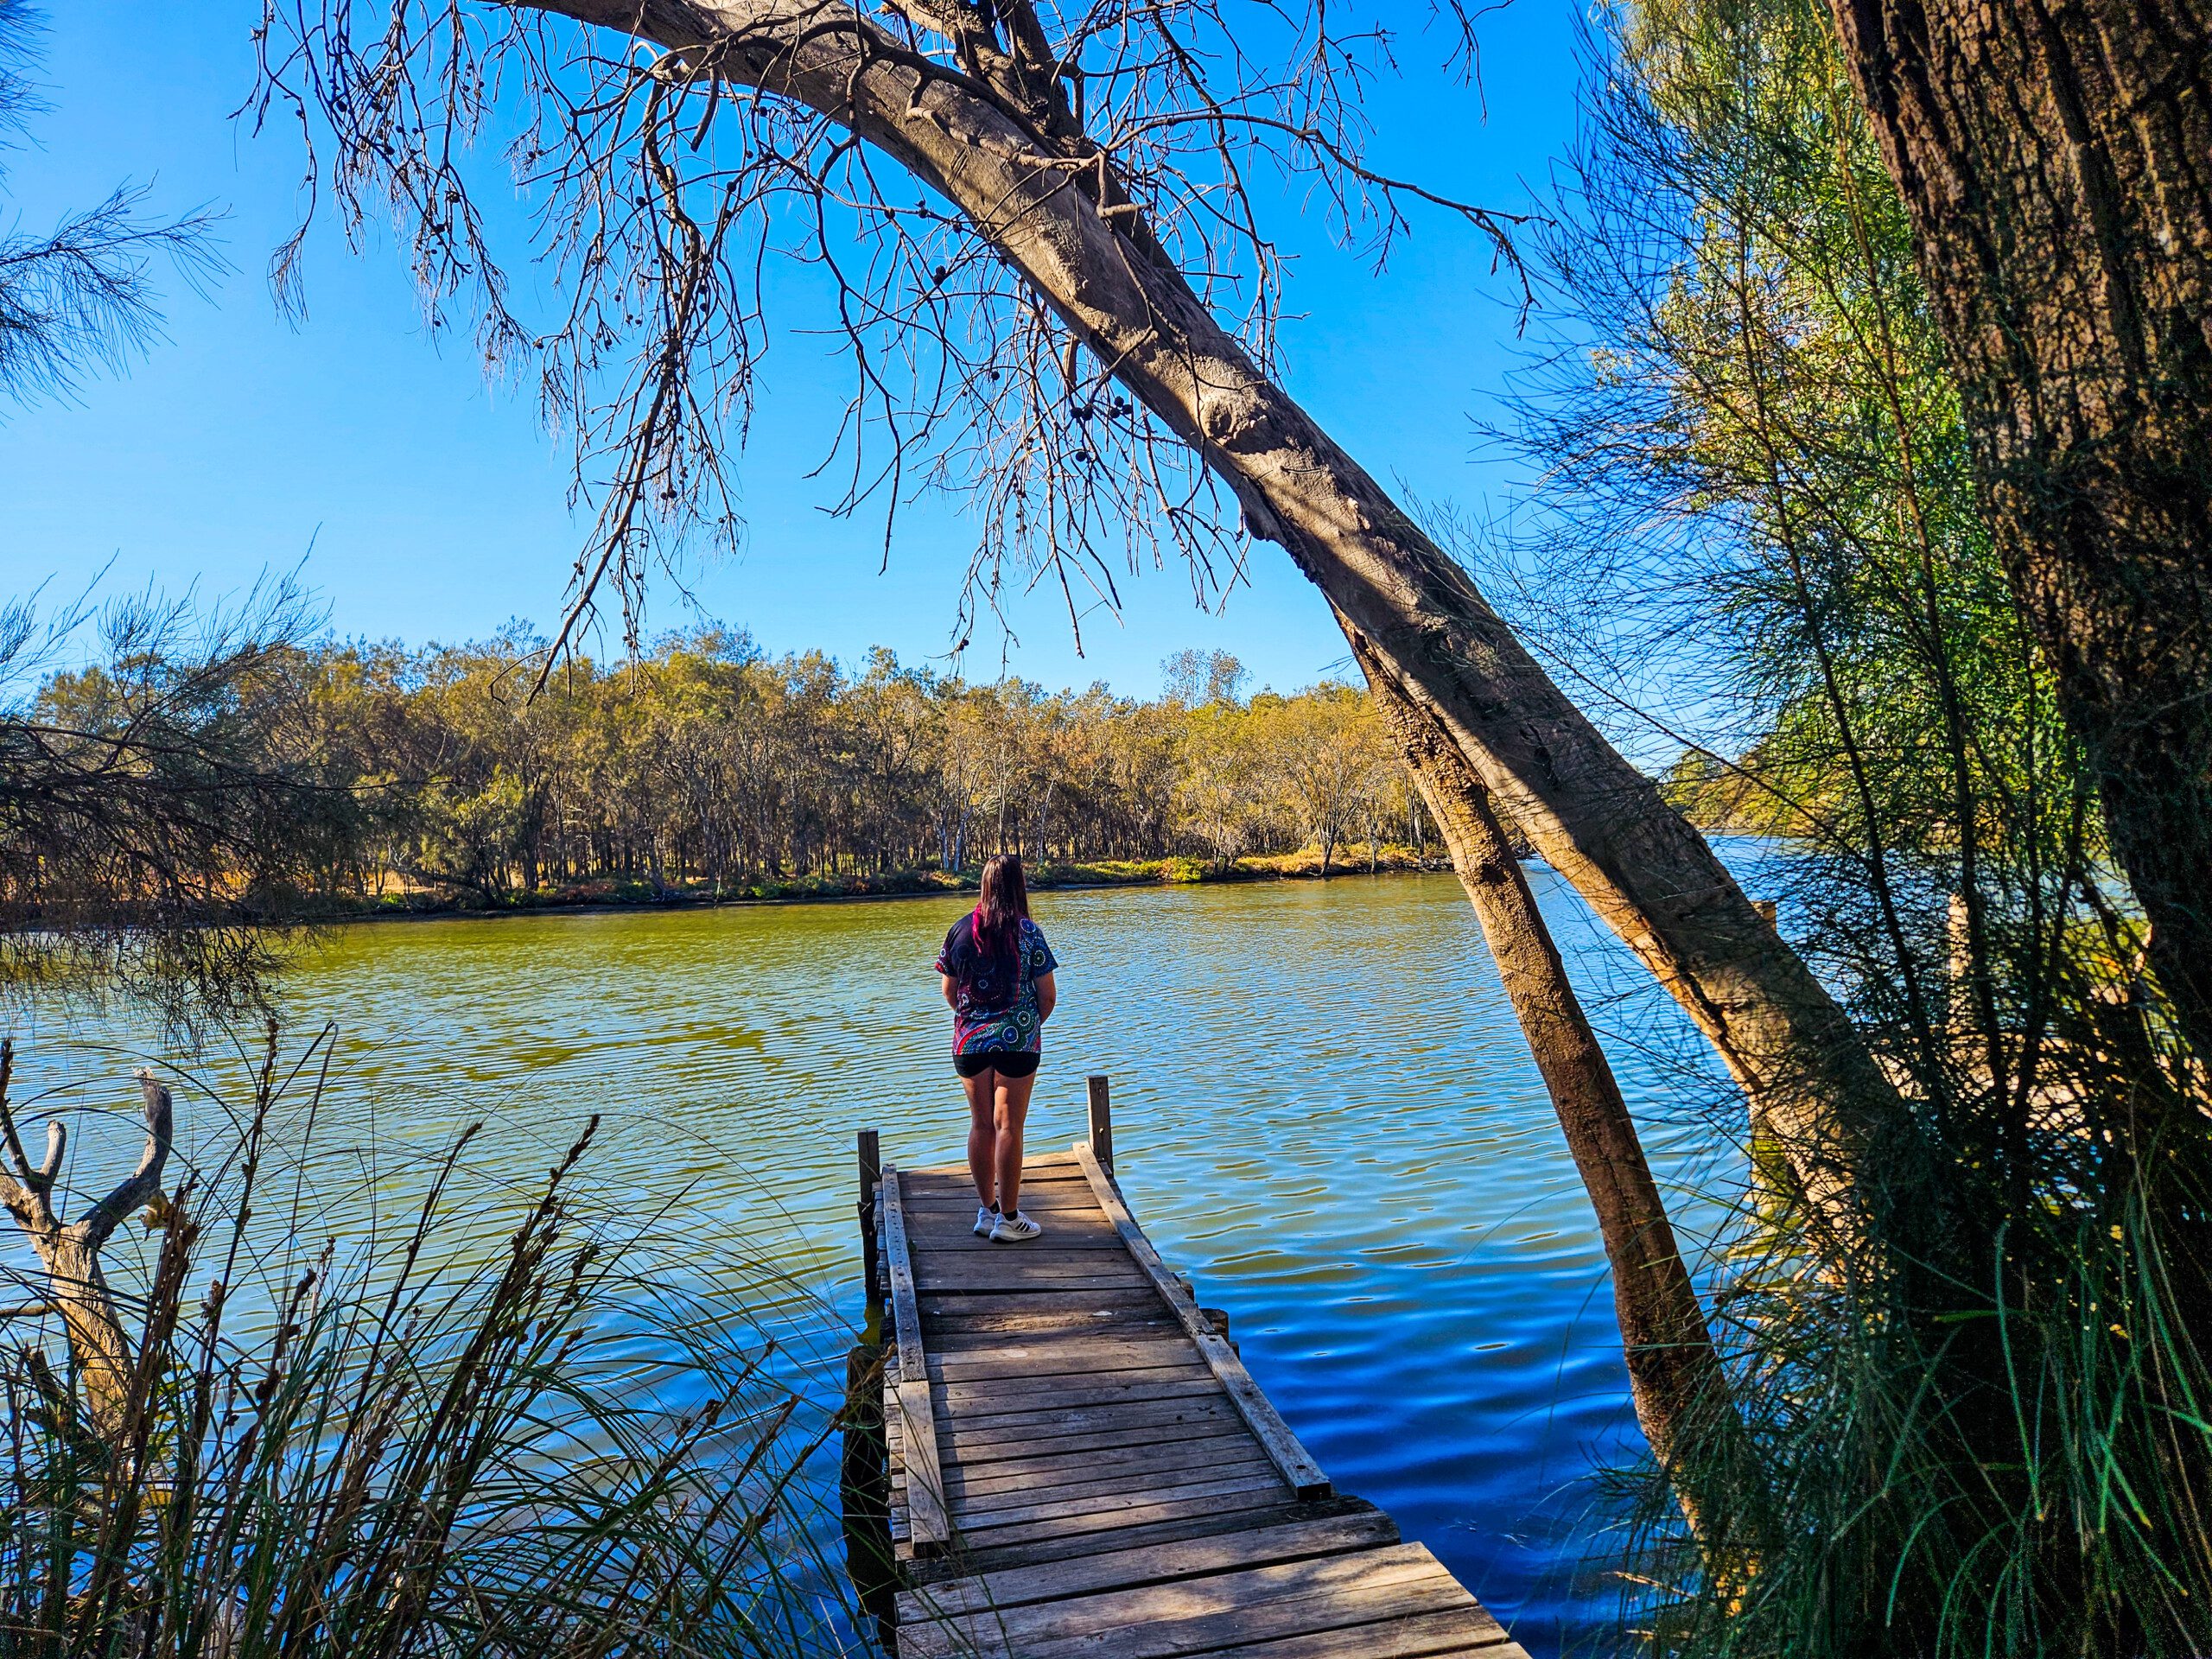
{"points": [[1047, 994], [951, 996]]}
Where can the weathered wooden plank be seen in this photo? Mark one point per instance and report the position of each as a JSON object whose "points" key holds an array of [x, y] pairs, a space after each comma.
{"points": [[868, 1148], [1122, 1515], [953, 1333], [1063, 1200], [1061, 1511], [1022, 1547], [1072, 1485], [1190, 1614], [1358, 1618], [1003, 1271], [1101, 1121], [1066, 1229], [1066, 1197], [1297, 1463], [1033, 1550], [931, 1527], [1034, 1420], [1102, 1426], [1119, 1569], [935, 1280], [979, 1401], [1166, 1479], [1074, 1466], [1053, 1358], [1097, 1465], [1467, 1632], [1011, 1269], [1046, 1266], [1064, 1188], [1224, 1441], [1136, 1300], [1060, 1239]]}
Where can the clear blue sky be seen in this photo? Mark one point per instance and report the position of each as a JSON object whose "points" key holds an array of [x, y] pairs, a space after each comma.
{"points": [[421, 504]]}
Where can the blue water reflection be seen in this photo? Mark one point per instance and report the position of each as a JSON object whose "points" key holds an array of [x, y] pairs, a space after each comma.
{"points": [[1325, 1116]]}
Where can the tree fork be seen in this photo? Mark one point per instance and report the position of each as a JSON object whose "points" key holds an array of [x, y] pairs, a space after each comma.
{"points": [[70, 1252]]}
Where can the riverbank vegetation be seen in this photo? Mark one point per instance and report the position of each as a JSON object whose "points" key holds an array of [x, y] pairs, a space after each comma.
{"points": [[703, 760], [1981, 1429], [218, 780], [384, 1442]]}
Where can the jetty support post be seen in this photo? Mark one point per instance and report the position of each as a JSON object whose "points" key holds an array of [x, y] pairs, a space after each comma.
{"points": [[871, 1161], [1102, 1123]]}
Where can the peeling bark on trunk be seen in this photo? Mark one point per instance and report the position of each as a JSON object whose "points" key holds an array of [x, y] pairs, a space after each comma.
{"points": [[1590, 813], [1674, 1376], [2056, 158]]}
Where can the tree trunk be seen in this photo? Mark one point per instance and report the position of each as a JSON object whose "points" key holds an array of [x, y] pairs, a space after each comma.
{"points": [[70, 1253], [1592, 814], [1674, 1376], [2056, 158], [98, 1341]]}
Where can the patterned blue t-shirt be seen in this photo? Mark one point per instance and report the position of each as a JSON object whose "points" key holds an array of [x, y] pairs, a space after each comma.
{"points": [[1014, 1029]]}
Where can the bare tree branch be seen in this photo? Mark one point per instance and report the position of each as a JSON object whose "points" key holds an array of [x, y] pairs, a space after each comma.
{"points": [[136, 1190]]}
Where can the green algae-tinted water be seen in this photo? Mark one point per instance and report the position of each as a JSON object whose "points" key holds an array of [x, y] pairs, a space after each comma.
{"points": [[1324, 1114]]}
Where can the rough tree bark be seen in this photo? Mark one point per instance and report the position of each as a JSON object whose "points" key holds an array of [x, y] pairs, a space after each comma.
{"points": [[70, 1252], [1674, 1376], [2056, 158], [998, 143]]}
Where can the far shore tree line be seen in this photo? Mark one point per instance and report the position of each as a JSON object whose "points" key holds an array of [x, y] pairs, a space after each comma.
{"points": [[705, 763]]}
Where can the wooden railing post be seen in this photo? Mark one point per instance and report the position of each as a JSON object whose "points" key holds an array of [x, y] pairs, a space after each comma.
{"points": [[871, 1158], [1102, 1123]]}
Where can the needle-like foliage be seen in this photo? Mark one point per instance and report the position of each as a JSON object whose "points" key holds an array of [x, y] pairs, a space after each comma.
{"points": [[1757, 478], [162, 807], [79, 298]]}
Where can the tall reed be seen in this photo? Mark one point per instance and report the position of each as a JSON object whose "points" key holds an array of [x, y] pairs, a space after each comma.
{"points": [[556, 1452]]}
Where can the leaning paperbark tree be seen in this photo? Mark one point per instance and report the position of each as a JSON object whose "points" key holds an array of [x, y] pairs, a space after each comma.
{"points": [[2056, 159], [1675, 1379], [70, 1251], [1099, 208]]}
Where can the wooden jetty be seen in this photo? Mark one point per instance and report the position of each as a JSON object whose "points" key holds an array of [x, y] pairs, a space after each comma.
{"points": [[1080, 1465]]}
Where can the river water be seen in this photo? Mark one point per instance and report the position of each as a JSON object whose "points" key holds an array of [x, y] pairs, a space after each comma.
{"points": [[1324, 1115]]}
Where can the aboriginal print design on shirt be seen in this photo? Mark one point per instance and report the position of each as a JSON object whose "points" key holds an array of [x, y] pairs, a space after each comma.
{"points": [[1009, 1027]]}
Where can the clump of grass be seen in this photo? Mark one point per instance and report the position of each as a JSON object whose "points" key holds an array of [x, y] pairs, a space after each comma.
{"points": [[552, 1452], [1999, 1440]]}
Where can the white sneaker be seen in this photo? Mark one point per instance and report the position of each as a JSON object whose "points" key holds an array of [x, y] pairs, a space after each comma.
{"points": [[984, 1217], [1016, 1229]]}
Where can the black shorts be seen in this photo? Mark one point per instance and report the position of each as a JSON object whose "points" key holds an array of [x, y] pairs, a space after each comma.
{"points": [[1007, 1062]]}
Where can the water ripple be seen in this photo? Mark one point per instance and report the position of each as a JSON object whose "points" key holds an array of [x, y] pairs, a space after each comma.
{"points": [[1324, 1114]]}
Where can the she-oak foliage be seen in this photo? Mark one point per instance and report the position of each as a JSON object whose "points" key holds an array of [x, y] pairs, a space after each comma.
{"points": [[2003, 1446]]}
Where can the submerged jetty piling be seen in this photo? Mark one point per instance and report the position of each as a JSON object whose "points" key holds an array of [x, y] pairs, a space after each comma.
{"points": [[1079, 1462]]}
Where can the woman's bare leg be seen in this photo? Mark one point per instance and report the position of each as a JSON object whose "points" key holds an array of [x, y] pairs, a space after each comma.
{"points": [[1011, 1116], [982, 1135]]}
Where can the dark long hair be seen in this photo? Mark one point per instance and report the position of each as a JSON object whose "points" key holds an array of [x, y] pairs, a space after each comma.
{"points": [[1002, 905]]}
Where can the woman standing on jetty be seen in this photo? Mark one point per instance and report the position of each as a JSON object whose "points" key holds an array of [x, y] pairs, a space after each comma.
{"points": [[997, 974]]}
